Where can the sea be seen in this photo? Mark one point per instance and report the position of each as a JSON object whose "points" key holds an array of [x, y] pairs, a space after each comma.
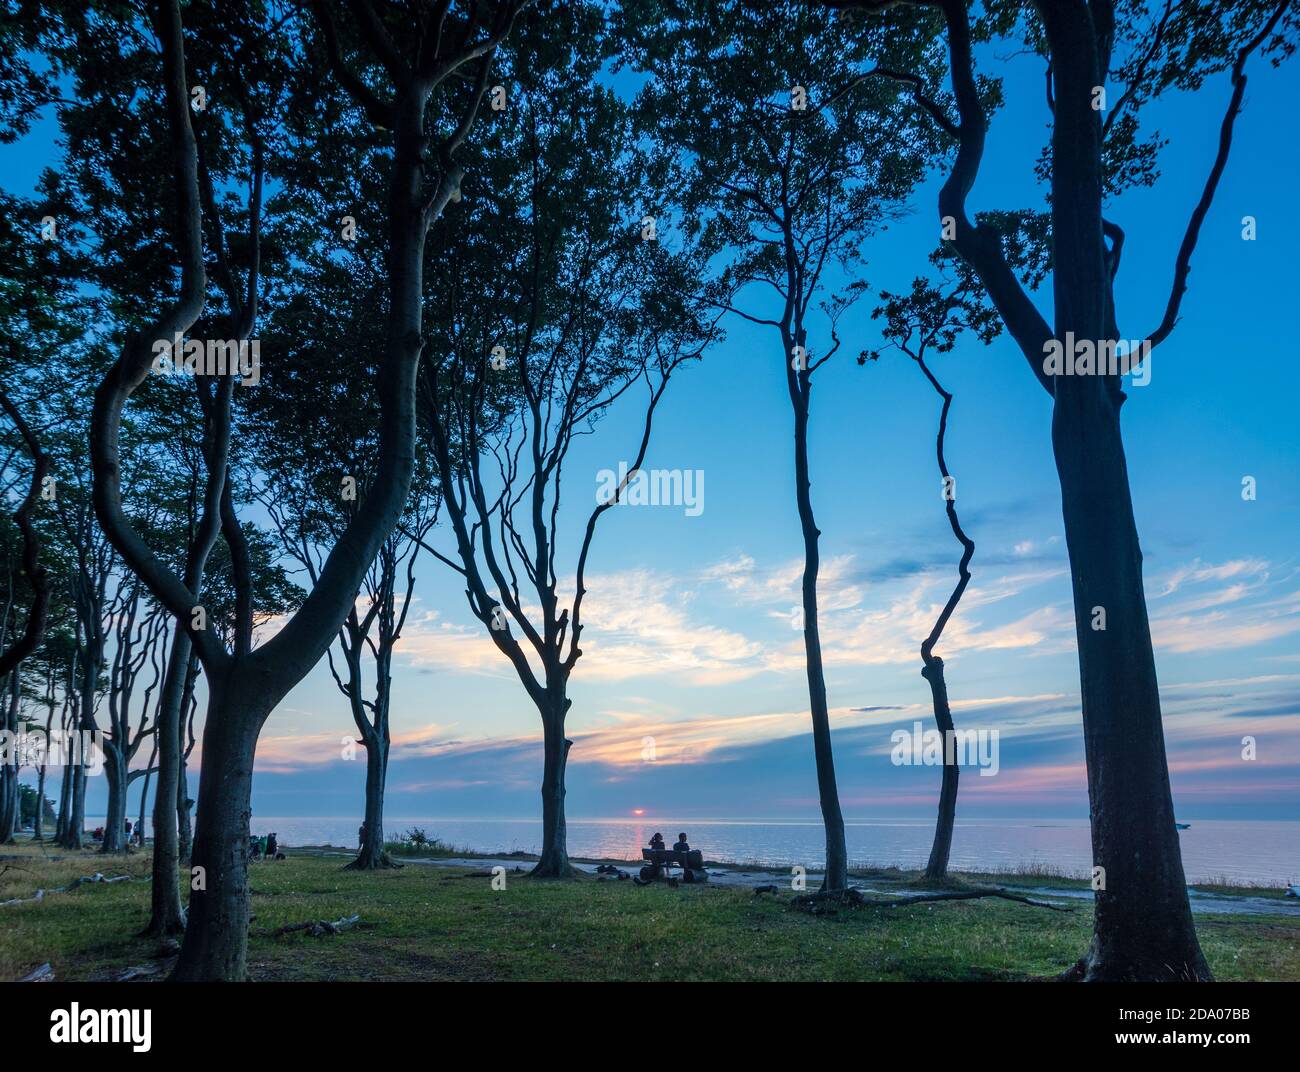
{"points": [[1244, 852]]}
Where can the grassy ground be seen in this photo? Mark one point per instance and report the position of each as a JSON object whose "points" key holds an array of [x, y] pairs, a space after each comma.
{"points": [[444, 923]]}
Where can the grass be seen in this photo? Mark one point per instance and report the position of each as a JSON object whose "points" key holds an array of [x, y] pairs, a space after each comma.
{"points": [[445, 923]]}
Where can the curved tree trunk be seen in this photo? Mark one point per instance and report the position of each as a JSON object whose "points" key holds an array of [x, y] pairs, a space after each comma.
{"points": [[1142, 926], [936, 869]]}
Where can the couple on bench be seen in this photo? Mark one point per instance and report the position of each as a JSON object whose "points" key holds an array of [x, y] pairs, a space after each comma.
{"points": [[657, 843], [659, 858]]}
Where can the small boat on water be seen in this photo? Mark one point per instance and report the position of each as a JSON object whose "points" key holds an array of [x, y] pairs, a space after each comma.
{"points": [[1182, 826]]}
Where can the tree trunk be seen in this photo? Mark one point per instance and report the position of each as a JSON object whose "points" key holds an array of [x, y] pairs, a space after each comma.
{"points": [[1142, 926], [937, 868], [185, 828], [38, 824], [216, 937], [1143, 923], [115, 773], [63, 819], [75, 836], [837, 861], [554, 862], [8, 802], [372, 854], [167, 916], [138, 832], [184, 804], [10, 813]]}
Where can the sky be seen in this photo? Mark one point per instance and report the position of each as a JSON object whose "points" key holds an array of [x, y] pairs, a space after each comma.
{"points": [[691, 697]]}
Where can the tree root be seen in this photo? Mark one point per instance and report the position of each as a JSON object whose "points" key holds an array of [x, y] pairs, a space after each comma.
{"points": [[384, 863]]}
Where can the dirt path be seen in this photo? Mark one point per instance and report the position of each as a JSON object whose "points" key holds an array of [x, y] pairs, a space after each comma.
{"points": [[1225, 904]]}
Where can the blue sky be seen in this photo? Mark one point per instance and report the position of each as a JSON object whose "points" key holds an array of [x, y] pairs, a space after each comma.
{"points": [[689, 639]]}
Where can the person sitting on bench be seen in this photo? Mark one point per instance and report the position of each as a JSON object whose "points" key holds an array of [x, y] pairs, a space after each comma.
{"points": [[657, 842], [681, 845]]}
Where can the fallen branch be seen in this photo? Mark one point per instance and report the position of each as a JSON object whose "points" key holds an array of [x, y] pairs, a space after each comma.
{"points": [[853, 898], [41, 894], [143, 971], [319, 927], [96, 877], [43, 974]]}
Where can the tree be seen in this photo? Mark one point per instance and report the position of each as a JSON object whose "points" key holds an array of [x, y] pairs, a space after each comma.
{"points": [[245, 684], [930, 318], [1143, 924], [554, 303], [315, 438], [26, 639], [138, 629], [796, 170]]}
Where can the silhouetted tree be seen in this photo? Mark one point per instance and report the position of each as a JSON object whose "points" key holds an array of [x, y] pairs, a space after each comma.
{"points": [[1143, 924], [558, 298], [929, 319], [794, 176]]}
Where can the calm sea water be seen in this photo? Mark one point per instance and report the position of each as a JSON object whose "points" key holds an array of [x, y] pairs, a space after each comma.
{"points": [[1250, 852]]}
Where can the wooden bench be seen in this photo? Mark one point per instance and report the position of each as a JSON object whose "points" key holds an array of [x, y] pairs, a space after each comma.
{"points": [[660, 861]]}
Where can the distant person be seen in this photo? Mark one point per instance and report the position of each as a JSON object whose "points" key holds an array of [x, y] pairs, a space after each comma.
{"points": [[361, 836], [272, 847], [681, 845], [255, 847], [657, 842]]}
